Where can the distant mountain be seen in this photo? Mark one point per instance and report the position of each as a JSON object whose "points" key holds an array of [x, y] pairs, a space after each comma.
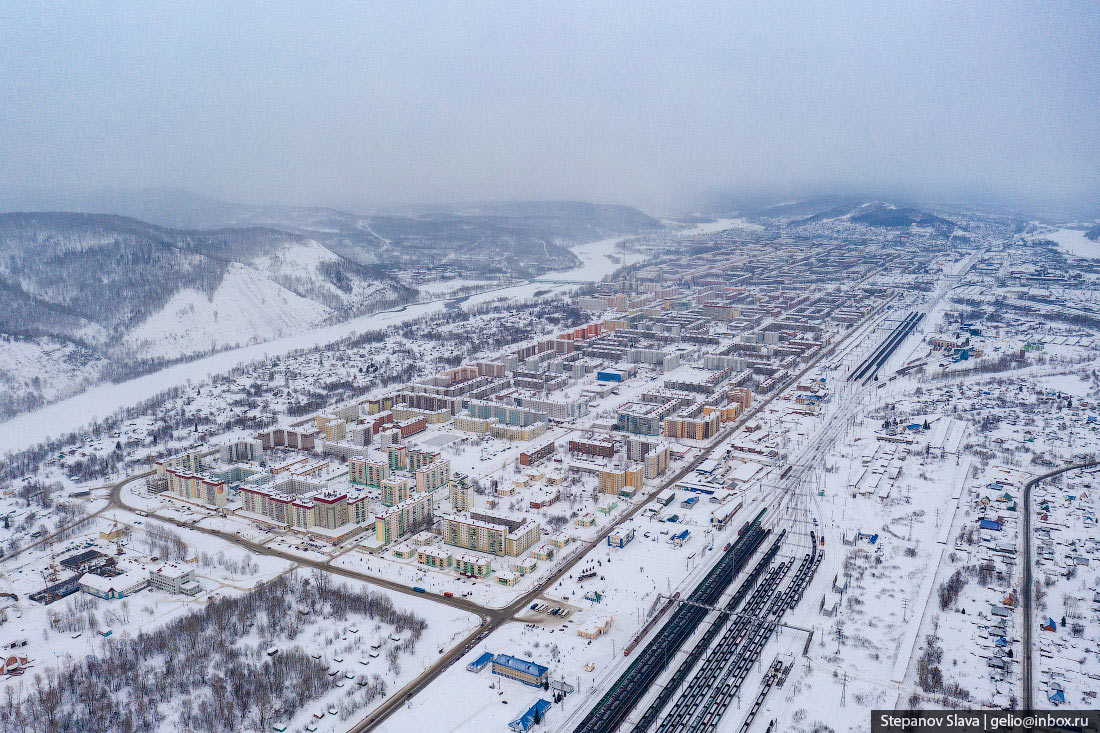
{"points": [[567, 221], [176, 208], [882, 215], [845, 210], [804, 209], [513, 238]]}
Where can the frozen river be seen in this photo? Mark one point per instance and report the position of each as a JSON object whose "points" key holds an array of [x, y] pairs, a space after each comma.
{"points": [[1074, 242]]}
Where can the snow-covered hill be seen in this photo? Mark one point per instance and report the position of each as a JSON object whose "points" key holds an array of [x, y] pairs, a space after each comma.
{"points": [[34, 371], [246, 307], [308, 268]]}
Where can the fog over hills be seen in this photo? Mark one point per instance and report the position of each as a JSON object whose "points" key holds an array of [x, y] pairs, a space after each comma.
{"points": [[521, 238]]}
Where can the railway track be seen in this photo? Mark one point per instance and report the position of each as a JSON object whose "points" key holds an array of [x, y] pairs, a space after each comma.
{"points": [[610, 712], [738, 666], [688, 705], [866, 371], [673, 684]]}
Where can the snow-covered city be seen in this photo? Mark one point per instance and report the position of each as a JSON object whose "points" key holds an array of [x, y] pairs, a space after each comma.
{"points": [[472, 444]]}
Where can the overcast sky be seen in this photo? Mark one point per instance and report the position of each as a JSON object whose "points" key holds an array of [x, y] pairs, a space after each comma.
{"points": [[661, 106]]}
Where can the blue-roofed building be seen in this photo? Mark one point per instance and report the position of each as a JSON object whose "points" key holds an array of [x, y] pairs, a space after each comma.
{"points": [[679, 538], [525, 722], [480, 663], [521, 670], [989, 524]]}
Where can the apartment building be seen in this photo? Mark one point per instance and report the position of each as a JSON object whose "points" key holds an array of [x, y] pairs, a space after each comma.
{"points": [[396, 489], [695, 427], [435, 557], [307, 506], [517, 432], [412, 426], [534, 455], [563, 409], [402, 412], [295, 438], [656, 462], [331, 427], [602, 447], [621, 481], [490, 533], [241, 451], [473, 566], [197, 487], [461, 493], [505, 414], [645, 418], [433, 476], [476, 425], [187, 462], [741, 396], [368, 472], [410, 516]]}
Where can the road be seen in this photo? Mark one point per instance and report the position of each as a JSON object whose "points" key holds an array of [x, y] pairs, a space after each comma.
{"points": [[1027, 582]]}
